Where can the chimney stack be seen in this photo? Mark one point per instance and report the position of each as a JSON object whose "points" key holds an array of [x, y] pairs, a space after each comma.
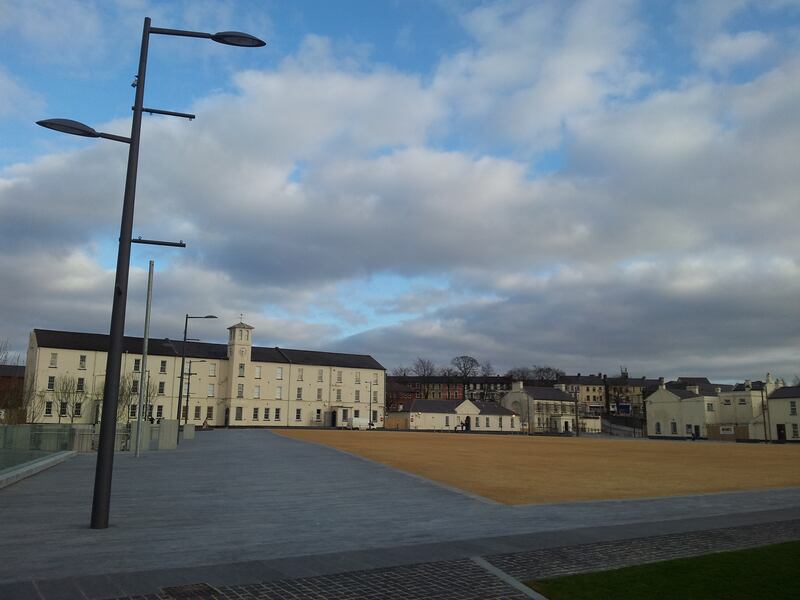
{"points": [[661, 384]]}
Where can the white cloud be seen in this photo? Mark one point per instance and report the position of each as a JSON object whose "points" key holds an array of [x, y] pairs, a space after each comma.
{"points": [[725, 50], [15, 99]]}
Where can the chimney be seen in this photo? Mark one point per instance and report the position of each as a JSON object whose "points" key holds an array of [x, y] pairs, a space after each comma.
{"points": [[560, 386], [748, 385], [717, 390], [661, 384], [518, 385], [695, 389]]}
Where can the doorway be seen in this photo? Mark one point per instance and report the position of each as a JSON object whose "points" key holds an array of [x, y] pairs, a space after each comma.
{"points": [[697, 432], [781, 432], [333, 418], [467, 423]]}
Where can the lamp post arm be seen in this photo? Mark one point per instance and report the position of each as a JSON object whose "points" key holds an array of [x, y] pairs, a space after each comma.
{"points": [[101, 499], [180, 32]]}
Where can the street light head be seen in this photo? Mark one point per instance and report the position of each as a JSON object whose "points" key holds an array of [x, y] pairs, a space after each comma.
{"points": [[237, 38], [69, 126], [210, 317]]}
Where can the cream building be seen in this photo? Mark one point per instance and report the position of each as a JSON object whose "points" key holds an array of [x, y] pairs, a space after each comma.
{"points": [[234, 384], [680, 413], [551, 409], [782, 416], [447, 415]]}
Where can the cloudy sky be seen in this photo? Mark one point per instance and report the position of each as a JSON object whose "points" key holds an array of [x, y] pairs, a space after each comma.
{"points": [[585, 184]]}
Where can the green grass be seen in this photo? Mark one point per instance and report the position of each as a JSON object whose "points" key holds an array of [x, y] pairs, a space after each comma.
{"points": [[771, 572]]}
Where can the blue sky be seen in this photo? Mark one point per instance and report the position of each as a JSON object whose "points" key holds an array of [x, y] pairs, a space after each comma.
{"points": [[524, 181]]}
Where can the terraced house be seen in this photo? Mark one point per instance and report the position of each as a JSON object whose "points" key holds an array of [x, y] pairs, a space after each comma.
{"points": [[234, 384]]}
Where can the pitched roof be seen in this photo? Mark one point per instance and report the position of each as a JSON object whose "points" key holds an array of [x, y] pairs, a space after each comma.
{"points": [[492, 408], [547, 393], [581, 379], [790, 391], [694, 380], [754, 385], [683, 394], [12, 370], [71, 340]]}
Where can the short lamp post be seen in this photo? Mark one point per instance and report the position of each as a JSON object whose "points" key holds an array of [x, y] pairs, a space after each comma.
{"points": [[101, 500], [183, 366]]}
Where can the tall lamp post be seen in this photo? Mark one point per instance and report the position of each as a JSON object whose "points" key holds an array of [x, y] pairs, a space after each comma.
{"points": [[183, 366], [101, 500], [188, 388]]}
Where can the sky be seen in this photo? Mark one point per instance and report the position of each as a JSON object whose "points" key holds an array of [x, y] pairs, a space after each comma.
{"points": [[584, 184]]}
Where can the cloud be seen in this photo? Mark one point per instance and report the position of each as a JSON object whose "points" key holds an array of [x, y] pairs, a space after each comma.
{"points": [[16, 100], [726, 51]]}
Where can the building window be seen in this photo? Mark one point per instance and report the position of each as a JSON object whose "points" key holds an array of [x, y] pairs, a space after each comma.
{"points": [[487, 422], [345, 414], [319, 394], [159, 411], [338, 377], [356, 414], [51, 383], [255, 414], [163, 367], [793, 407], [161, 385], [258, 372], [81, 385], [240, 390], [54, 359], [795, 430], [709, 406], [375, 379], [278, 393], [149, 411], [375, 396], [78, 408], [241, 369], [135, 386], [727, 402], [319, 375], [358, 396], [197, 413], [447, 421], [133, 411], [673, 428], [48, 409], [210, 392], [137, 365], [297, 413], [209, 412], [299, 373], [82, 361], [257, 392], [238, 413], [374, 416], [279, 373], [658, 428], [500, 422], [299, 393], [212, 369], [266, 414], [742, 402], [477, 422], [318, 415], [688, 429], [277, 414], [338, 395], [185, 412], [358, 377]]}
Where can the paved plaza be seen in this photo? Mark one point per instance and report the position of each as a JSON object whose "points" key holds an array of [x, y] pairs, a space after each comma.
{"points": [[240, 507]]}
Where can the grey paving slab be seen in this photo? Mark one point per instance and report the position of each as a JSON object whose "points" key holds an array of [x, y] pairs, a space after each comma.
{"points": [[232, 496]]}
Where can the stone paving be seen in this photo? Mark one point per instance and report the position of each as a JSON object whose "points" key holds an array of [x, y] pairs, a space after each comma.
{"points": [[242, 506]]}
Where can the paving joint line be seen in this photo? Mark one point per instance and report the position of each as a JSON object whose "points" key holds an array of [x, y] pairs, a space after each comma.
{"points": [[506, 578]]}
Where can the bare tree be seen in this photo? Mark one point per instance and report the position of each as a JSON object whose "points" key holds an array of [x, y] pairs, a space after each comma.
{"points": [[546, 373], [401, 371], [466, 366], [126, 396], [424, 369], [69, 399], [520, 373], [447, 371], [487, 370]]}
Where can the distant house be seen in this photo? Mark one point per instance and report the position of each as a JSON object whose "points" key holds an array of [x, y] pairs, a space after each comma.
{"points": [[548, 409], [589, 390], [696, 408], [448, 415], [782, 415]]}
